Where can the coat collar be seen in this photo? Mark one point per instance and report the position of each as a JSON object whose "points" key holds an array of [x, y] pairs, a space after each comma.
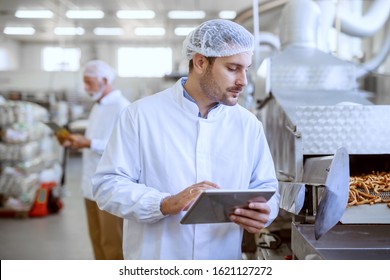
{"points": [[110, 98], [190, 105]]}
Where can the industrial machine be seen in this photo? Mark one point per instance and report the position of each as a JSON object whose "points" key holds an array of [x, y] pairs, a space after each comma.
{"points": [[318, 141], [320, 135], [325, 133]]}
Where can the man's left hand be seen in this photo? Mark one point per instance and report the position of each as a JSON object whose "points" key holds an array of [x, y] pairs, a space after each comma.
{"points": [[252, 219]]}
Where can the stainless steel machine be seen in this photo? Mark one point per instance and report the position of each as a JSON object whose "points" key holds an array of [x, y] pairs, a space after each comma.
{"points": [[322, 130], [319, 138]]}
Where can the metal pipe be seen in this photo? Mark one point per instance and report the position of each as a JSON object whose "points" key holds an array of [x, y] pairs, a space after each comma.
{"points": [[256, 32], [368, 24], [378, 59], [262, 8]]}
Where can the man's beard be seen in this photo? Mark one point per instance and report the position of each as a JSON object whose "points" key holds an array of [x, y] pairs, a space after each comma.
{"points": [[213, 92]]}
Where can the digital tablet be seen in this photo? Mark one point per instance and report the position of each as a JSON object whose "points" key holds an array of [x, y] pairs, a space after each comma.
{"points": [[214, 206], [56, 128]]}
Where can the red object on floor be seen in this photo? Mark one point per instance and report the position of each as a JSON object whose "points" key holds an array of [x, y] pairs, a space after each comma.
{"points": [[40, 207]]}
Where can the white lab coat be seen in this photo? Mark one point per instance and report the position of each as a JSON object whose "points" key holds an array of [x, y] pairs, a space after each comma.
{"points": [[159, 147], [101, 122]]}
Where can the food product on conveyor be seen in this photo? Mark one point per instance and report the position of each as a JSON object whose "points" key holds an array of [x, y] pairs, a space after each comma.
{"points": [[369, 189]]}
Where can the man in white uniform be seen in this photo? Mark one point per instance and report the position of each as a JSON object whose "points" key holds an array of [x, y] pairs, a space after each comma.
{"points": [[170, 146], [105, 229]]}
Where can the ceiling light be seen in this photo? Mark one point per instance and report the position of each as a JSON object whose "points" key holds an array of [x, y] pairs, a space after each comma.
{"points": [[19, 30], [67, 31], [108, 31], [149, 31], [133, 14], [227, 14], [85, 14], [34, 14], [186, 14], [183, 31]]}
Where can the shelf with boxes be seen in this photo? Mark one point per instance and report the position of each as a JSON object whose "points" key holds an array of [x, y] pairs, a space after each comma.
{"points": [[30, 159]]}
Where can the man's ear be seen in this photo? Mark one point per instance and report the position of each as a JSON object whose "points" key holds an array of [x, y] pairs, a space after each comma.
{"points": [[200, 63], [105, 81]]}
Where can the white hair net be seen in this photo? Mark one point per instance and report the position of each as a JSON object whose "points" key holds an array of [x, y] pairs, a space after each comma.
{"points": [[99, 69], [217, 38]]}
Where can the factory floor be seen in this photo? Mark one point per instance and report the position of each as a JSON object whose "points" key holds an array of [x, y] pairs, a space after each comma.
{"points": [[64, 235], [60, 236]]}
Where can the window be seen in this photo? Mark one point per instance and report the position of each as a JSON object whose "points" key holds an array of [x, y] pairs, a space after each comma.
{"points": [[144, 62], [61, 59], [5, 63]]}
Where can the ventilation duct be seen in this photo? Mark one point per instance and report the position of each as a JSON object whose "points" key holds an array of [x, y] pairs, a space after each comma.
{"points": [[299, 24], [368, 24]]}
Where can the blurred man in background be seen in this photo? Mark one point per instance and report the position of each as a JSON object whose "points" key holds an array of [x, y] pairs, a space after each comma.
{"points": [[105, 229]]}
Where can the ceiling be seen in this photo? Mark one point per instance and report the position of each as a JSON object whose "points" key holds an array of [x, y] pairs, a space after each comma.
{"points": [[44, 28]]}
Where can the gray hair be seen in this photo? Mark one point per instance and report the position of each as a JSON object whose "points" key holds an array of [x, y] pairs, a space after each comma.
{"points": [[99, 69]]}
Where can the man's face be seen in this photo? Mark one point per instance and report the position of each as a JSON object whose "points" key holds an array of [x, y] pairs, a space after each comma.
{"points": [[92, 85], [226, 78]]}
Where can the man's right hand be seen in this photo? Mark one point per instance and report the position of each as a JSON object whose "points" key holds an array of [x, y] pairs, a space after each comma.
{"points": [[174, 204]]}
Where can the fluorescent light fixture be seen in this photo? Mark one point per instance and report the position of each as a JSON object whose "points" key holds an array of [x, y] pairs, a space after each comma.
{"points": [[227, 14], [108, 31], [183, 31], [85, 14], [149, 31], [19, 30], [186, 14], [68, 31], [134, 14], [33, 14]]}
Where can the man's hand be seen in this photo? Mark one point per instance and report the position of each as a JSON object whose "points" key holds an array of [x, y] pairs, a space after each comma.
{"points": [[76, 141], [252, 219], [176, 203], [62, 136]]}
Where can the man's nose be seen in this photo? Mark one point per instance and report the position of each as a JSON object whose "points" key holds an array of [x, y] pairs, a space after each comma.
{"points": [[242, 79]]}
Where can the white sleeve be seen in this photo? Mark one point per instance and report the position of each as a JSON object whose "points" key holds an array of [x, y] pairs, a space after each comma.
{"points": [[98, 145], [116, 186]]}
